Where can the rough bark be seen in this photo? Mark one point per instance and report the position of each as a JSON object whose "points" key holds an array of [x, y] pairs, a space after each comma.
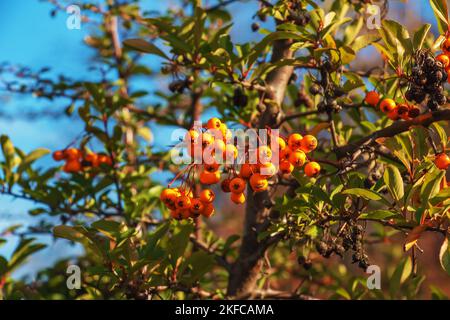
{"points": [[246, 269]]}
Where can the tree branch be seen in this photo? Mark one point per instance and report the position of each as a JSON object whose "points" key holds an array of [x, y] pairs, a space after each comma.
{"points": [[393, 130]]}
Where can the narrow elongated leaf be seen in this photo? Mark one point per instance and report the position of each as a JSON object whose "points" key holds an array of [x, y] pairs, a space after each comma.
{"points": [[394, 182], [145, 47]]}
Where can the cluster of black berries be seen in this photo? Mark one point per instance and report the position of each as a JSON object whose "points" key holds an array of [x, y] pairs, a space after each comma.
{"points": [[298, 15], [240, 99], [427, 80], [354, 239], [351, 238], [178, 86]]}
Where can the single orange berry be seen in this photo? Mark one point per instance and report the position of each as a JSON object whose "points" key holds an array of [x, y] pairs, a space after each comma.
{"points": [[281, 143], [209, 177], [207, 196], [72, 154], [92, 159], [372, 98], [285, 154], [297, 158], [238, 198], [58, 155], [295, 141], [312, 169], [208, 210], [197, 207], [442, 161], [183, 213], [309, 143], [213, 167], [214, 124], [192, 136], [258, 183], [246, 171], [73, 165], [444, 59], [183, 202], [393, 114], [264, 154], [207, 139], [286, 167], [104, 159], [175, 214], [169, 196], [387, 105], [237, 185]]}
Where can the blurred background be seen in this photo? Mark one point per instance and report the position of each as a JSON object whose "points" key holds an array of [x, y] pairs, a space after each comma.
{"points": [[32, 37]]}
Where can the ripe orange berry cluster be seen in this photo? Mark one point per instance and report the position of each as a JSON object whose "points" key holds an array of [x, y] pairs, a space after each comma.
{"points": [[291, 152], [77, 160], [442, 161], [394, 111], [183, 205]]}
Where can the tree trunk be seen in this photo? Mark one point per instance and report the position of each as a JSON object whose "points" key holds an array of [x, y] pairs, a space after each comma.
{"points": [[246, 269]]}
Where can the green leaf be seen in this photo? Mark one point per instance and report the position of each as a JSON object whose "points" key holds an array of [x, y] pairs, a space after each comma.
{"points": [[179, 241], [441, 13], [363, 41], [144, 46], [431, 185], [3, 266], [200, 262], [24, 249], [420, 36], [401, 273], [31, 157], [394, 182], [363, 193], [444, 256], [378, 215]]}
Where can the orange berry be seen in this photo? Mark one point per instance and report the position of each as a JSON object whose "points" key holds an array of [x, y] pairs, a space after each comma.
{"points": [[225, 185], [92, 159], [445, 46], [444, 59], [207, 196], [246, 171], [192, 136], [442, 161], [237, 185], [175, 214], [210, 177], [286, 167], [297, 158], [207, 139], [183, 213], [387, 105], [403, 111], [169, 196], [281, 143], [104, 159], [258, 183], [197, 207], [183, 202], [72, 154], [214, 123], [219, 147], [309, 143], [372, 98], [73, 165], [393, 114], [213, 167], [285, 154], [312, 169], [264, 154], [238, 198], [267, 169], [58, 155], [295, 141], [208, 211]]}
